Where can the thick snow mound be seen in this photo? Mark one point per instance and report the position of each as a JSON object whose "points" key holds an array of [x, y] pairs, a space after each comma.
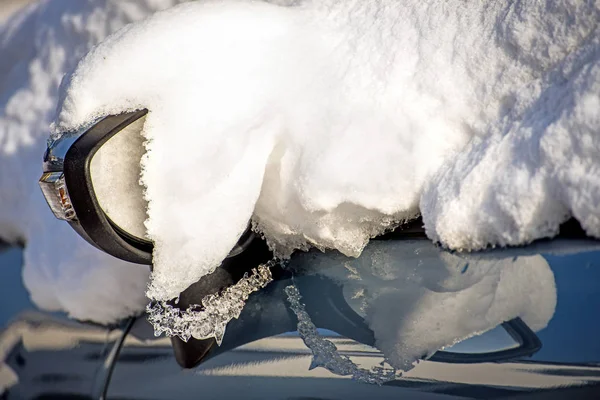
{"points": [[535, 168], [329, 122], [38, 45]]}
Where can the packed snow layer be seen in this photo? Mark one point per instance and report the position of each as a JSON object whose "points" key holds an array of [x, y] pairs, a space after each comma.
{"points": [[329, 122], [535, 167], [418, 298], [38, 45]]}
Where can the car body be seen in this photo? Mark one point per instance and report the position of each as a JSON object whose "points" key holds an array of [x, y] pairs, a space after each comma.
{"points": [[48, 356]]}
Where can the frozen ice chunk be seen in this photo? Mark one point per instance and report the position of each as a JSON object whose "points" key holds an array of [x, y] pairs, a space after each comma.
{"points": [[210, 318], [533, 170], [325, 353]]}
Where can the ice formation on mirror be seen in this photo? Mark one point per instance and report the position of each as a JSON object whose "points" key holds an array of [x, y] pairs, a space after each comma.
{"points": [[329, 123], [325, 353], [210, 318], [418, 298]]}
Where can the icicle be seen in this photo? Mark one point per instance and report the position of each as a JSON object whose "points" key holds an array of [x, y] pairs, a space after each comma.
{"points": [[211, 317], [325, 353]]}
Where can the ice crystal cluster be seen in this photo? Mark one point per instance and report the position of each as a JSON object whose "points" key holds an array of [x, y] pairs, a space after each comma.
{"points": [[325, 353], [210, 318]]}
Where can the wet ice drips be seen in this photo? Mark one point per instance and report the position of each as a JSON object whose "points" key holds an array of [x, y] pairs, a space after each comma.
{"points": [[210, 319], [325, 353]]}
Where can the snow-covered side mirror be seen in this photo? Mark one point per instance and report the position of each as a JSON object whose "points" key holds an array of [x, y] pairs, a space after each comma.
{"points": [[91, 179]]}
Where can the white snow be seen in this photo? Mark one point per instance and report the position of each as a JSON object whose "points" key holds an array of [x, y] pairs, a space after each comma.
{"points": [[418, 299], [326, 123], [329, 122], [38, 45]]}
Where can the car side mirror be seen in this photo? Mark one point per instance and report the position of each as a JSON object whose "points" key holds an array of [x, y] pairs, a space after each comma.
{"points": [[509, 340]]}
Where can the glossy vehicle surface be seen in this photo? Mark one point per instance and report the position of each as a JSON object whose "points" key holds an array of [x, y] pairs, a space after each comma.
{"points": [[47, 356]]}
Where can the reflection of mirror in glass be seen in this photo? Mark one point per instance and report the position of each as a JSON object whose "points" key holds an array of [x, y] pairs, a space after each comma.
{"points": [[115, 171], [496, 339], [418, 298]]}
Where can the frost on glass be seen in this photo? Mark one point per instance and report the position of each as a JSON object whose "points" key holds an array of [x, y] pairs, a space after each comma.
{"points": [[209, 319], [325, 353]]}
